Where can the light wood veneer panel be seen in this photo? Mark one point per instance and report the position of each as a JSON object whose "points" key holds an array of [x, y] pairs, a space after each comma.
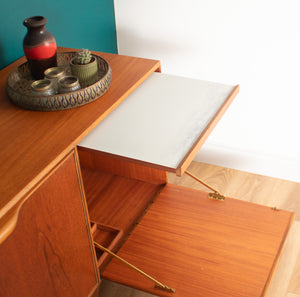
{"points": [[203, 247]]}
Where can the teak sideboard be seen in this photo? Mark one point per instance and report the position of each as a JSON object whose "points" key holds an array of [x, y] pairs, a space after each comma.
{"points": [[65, 185]]}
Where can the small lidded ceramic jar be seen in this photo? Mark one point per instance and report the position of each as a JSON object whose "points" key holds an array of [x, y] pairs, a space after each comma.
{"points": [[43, 87], [54, 74], [68, 84]]}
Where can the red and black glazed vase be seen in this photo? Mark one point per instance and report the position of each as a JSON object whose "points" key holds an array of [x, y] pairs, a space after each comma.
{"points": [[39, 46]]}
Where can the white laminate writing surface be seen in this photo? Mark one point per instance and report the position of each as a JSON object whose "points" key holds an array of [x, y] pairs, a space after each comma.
{"points": [[160, 121]]}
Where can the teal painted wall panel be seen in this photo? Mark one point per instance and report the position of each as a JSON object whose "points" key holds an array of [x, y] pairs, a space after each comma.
{"points": [[76, 24]]}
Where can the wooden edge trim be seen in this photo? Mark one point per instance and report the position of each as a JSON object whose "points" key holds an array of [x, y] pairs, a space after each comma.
{"points": [[10, 221], [125, 159], [183, 165], [86, 214], [279, 253], [95, 291]]}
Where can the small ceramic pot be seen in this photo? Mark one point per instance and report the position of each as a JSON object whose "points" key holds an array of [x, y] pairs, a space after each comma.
{"points": [[55, 74], [43, 87], [68, 84], [86, 73]]}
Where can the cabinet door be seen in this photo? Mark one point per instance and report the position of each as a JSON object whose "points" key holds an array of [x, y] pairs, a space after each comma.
{"points": [[50, 252], [203, 247]]}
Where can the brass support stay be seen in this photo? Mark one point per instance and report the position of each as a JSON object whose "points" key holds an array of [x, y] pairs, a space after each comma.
{"points": [[158, 284], [215, 195]]}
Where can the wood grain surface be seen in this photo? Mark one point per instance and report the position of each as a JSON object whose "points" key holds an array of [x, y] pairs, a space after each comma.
{"points": [[117, 201], [50, 252], [96, 161], [32, 142], [249, 187]]}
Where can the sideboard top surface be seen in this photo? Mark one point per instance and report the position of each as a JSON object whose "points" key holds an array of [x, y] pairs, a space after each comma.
{"points": [[33, 142]]}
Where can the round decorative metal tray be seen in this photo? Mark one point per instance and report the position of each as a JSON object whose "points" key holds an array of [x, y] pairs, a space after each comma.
{"points": [[19, 81]]}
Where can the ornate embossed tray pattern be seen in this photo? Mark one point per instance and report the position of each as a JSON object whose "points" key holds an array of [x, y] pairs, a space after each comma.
{"points": [[19, 81]]}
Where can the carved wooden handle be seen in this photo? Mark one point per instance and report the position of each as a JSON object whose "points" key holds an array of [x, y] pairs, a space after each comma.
{"points": [[8, 220]]}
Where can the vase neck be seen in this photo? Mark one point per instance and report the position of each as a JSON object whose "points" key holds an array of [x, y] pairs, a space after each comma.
{"points": [[36, 22]]}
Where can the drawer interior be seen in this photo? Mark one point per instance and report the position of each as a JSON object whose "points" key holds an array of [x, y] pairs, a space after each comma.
{"points": [[118, 194]]}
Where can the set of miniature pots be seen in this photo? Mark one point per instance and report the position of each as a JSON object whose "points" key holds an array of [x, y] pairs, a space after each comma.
{"points": [[55, 82]]}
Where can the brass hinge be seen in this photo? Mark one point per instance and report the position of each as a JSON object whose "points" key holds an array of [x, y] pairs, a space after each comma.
{"points": [[215, 195]]}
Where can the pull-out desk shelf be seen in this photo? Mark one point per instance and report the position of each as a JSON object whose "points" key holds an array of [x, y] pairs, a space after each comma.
{"points": [[163, 122], [199, 246]]}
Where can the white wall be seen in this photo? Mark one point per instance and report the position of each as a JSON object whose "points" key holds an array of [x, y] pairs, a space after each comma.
{"points": [[254, 43]]}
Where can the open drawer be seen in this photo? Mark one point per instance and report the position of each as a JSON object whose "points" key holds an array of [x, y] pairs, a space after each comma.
{"points": [[164, 122]]}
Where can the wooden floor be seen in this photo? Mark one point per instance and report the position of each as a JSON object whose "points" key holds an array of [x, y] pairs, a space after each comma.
{"points": [[249, 187]]}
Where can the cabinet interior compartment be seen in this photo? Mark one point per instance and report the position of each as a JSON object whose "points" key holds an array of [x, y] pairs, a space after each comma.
{"points": [[118, 193], [109, 237]]}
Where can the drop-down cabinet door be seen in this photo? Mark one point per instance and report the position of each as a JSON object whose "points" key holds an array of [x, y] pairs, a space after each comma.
{"points": [[50, 253], [203, 247]]}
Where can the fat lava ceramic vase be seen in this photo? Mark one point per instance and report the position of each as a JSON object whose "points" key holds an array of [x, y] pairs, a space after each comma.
{"points": [[39, 46]]}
